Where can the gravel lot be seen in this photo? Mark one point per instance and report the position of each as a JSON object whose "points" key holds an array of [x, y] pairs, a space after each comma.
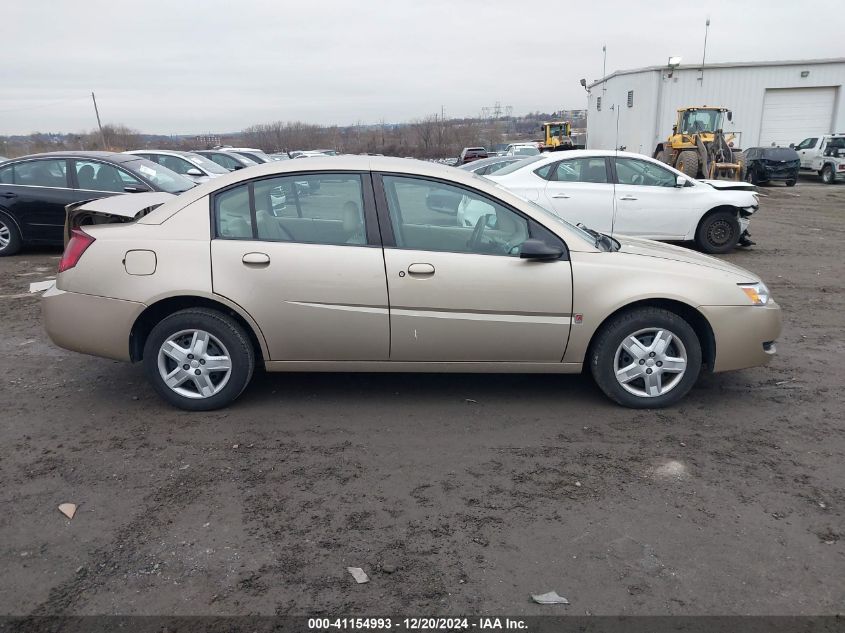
{"points": [[456, 494]]}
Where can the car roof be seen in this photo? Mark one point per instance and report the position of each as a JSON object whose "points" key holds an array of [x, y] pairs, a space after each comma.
{"points": [[172, 152], [115, 157], [492, 160]]}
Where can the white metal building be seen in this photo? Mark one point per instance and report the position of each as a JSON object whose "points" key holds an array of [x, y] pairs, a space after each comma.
{"points": [[772, 102]]}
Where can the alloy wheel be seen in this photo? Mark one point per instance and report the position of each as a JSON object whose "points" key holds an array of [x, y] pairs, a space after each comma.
{"points": [[5, 235], [194, 364], [650, 362]]}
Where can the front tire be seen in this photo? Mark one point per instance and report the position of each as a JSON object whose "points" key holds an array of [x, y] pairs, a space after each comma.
{"points": [[646, 358], [828, 175], [10, 237], [688, 163], [718, 232], [198, 359]]}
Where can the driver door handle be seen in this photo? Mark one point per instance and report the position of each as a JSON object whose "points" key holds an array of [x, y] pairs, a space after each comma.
{"points": [[561, 195], [627, 198], [421, 270]]}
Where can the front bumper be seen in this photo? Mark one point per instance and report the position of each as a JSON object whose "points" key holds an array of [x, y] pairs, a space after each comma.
{"points": [[745, 335], [92, 325]]}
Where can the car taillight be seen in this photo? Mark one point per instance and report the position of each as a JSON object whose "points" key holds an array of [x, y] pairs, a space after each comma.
{"points": [[78, 244]]}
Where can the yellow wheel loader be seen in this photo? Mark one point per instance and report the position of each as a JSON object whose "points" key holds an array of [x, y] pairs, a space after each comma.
{"points": [[557, 136], [698, 146]]}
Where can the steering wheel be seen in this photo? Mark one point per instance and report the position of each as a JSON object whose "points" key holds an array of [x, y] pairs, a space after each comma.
{"points": [[474, 243]]}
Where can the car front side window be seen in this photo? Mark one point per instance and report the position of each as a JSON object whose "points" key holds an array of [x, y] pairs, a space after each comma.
{"points": [[632, 171], [174, 163], [481, 225], [807, 143], [96, 176]]}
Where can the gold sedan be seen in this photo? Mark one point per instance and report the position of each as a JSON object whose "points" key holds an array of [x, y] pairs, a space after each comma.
{"points": [[376, 264]]}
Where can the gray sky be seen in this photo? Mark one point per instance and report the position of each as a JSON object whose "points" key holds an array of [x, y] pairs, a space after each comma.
{"points": [[184, 66]]}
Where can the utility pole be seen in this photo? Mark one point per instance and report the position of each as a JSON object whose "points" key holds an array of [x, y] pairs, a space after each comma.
{"points": [[704, 53], [99, 125]]}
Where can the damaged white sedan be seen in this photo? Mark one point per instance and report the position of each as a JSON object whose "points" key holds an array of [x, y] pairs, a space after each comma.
{"points": [[631, 194]]}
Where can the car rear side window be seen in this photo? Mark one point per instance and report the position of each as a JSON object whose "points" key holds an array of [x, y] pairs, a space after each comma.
{"points": [[581, 170], [174, 163], [41, 173], [232, 214], [309, 209]]}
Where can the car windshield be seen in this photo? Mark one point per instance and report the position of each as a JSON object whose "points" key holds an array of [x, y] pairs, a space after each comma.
{"points": [[780, 153], [525, 151], [694, 121], [519, 164], [161, 177], [207, 165]]}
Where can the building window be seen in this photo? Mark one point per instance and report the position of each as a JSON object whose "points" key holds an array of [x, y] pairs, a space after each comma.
{"points": [[630, 98], [598, 103]]}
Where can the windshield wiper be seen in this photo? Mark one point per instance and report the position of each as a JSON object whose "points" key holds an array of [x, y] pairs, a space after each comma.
{"points": [[599, 238]]}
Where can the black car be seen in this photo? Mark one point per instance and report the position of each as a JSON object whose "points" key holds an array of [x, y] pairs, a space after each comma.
{"points": [[229, 160], [765, 164], [35, 189]]}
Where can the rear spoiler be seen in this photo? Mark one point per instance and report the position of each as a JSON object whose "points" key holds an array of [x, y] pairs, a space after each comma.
{"points": [[126, 207]]}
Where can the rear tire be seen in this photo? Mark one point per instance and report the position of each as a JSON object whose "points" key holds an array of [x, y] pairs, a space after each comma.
{"points": [[828, 175], [718, 232], [10, 236], [790, 183], [192, 374], [629, 345], [688, 163]]}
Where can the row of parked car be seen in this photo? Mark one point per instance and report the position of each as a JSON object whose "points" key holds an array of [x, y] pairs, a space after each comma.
{"points": [[35, 189]]}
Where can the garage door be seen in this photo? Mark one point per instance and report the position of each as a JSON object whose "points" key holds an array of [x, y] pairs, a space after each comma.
{"points": [[793, 114]]}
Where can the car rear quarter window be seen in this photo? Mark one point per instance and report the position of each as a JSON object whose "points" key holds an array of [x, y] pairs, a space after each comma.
{"points": [[41, 173]]}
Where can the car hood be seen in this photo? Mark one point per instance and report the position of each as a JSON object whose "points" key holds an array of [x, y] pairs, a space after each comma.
{"points": [[729, 185], [649, 248]]}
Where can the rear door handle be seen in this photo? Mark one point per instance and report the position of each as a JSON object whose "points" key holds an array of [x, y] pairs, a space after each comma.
{"points": [[256, 259], [8, 194], [560, 195], [421, 270], [627, 198]]}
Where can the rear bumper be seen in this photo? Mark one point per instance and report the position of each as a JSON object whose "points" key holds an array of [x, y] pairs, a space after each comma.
{"points": [[745, 335], [92, 325]]}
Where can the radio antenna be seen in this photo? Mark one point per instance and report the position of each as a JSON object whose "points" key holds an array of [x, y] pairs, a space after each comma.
{"points": [[615, 156]]}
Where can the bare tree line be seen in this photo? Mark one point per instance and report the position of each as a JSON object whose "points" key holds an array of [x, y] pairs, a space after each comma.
{"points": [[428, 137]]}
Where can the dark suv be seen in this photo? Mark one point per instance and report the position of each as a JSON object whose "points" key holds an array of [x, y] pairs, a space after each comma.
{"points": [[469, 154], [765, 164]]}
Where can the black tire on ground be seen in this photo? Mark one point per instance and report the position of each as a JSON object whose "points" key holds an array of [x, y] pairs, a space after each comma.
{"points": [[10, 237], [220, 326], [790, 183], [751, 176], [604, 362], [828, 175], [718, 232], [688, 163]]}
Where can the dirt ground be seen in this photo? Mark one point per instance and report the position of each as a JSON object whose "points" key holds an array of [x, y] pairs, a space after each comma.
{"points": [[456, 494]]}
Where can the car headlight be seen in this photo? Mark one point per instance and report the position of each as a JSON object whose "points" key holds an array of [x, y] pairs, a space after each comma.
{"points": [[757, 293]]}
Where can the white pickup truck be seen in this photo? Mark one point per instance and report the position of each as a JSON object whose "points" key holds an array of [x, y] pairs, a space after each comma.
{"points": [[823, 155]]}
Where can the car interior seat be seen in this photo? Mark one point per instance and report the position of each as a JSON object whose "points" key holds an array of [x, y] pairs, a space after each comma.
{"points": [[86, 177]]}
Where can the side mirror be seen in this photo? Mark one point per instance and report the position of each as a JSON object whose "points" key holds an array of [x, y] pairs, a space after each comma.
{"points": [[792, 146], [193, 171], [136, 189], [680, 181], [237, 167], [539, 250]]}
